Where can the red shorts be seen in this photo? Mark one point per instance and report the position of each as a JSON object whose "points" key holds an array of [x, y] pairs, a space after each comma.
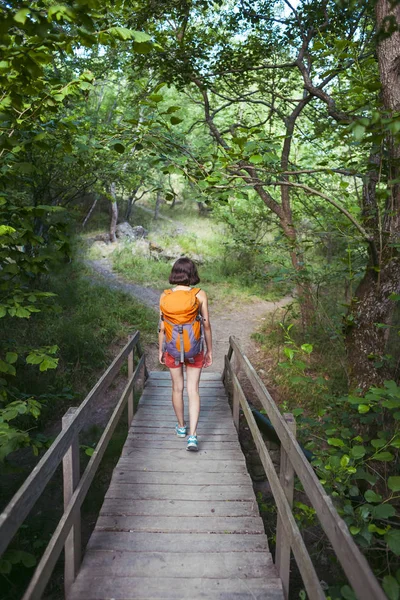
{"points": [[198, 361]]}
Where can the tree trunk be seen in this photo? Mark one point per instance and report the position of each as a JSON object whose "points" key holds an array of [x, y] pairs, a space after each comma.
{"points": [[131, 201], [158, 202], [114, 213], [366, 340], [90, 211]]}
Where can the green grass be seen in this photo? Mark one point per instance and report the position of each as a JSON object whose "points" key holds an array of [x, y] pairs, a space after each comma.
{"points": [[92, 323], [325, 366]]}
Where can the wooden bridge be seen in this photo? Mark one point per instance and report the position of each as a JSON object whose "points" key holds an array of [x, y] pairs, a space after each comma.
{"points": [[176, 524]]}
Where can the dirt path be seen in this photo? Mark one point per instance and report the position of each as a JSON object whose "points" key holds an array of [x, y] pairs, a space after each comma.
{"points": [[238, 323]]}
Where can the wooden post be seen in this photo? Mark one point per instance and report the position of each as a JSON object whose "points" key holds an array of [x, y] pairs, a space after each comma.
{"points": [[141, 353], [71, 476], [286, 478], [131, 406]]}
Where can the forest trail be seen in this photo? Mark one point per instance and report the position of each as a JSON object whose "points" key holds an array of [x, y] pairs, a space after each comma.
{"points": [[225, 322]]}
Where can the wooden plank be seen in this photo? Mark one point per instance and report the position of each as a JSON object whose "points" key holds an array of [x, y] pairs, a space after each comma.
{"points": [[22, 502], [209, 429], [153, 429], [176, 543], [353, 562], [181, 454], [208, 565], [162, 434], [168, 466], [147, 491], [146, 588], [231, 525], [167, 410], [175, 442], [209, 417], [50, 556], [200, 508], [167, 399], [191, 478], [166, 395], [309, 576]]}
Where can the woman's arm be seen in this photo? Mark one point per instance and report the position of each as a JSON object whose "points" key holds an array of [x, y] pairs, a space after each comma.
{"points": [[202, 296], [161, 331]]}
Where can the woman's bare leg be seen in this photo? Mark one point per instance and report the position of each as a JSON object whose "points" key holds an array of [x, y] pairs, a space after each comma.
{"points": [[192, 383], [177, 394]]}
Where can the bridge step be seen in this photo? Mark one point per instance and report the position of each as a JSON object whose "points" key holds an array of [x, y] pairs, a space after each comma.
{"points": [[176, 524]]}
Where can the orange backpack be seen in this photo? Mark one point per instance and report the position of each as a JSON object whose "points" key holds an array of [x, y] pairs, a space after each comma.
{"points": [[180, 311]]}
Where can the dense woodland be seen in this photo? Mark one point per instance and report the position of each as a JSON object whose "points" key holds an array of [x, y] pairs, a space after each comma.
{"points": [[272, 130]]}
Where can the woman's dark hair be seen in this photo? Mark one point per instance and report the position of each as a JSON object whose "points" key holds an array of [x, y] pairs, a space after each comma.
{"points": [[184, 272]]}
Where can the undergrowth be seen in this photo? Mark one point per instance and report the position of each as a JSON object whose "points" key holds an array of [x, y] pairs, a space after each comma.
{"points": [[354, 439]]}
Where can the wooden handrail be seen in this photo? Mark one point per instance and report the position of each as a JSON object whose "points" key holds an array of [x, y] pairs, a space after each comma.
{"points": [[354, 564], [47, 563], [20, 505]]}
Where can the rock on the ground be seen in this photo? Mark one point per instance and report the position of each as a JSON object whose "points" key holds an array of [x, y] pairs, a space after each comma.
{"points": [[124, 230]]}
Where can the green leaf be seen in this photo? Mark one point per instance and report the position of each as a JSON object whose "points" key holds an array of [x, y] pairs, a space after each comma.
{"points": [[298, 411], [335, 442], [22, 313], [21, 15], [308, 348], [394, 483], [6, 368], [383, 511], [391, 587], [371, 496], [141, 37], [48, 363], [3, 311], [11, 357], [129, 34], [256, 159], [344, 461], [348, 593], [358, 131], [363, 408], [5, 566], [357, 451], [6, 230], [392, 538], [378, 443], [175, 120], [383, 456], [156, 97], [120, 148], [289, 352], [89, 451]]}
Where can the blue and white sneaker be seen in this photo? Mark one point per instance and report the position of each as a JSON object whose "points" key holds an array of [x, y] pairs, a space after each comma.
{"points": [[180, 431], [192, 443]]}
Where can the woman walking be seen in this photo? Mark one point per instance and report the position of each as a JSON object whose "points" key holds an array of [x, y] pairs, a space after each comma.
{"points": [[185, 339]]}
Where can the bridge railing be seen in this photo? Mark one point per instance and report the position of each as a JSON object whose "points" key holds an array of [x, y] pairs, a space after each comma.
{"points": [[293, 461], [65, 449]]}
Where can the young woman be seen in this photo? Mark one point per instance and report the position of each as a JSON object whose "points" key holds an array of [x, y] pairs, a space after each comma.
{"points": [[185, 304]]}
